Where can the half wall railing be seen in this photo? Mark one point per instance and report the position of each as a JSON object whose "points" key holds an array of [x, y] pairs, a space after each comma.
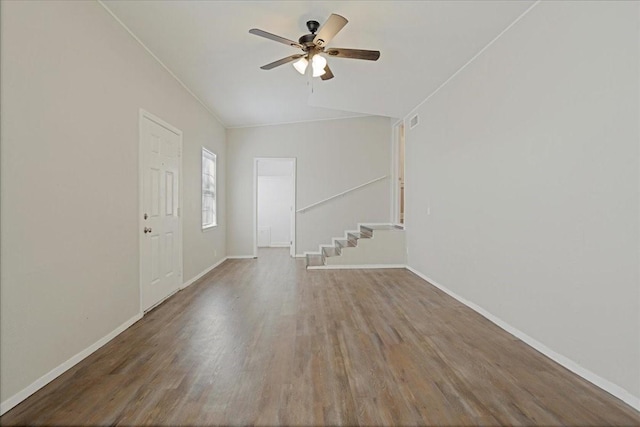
{"points": [[335, 196]]}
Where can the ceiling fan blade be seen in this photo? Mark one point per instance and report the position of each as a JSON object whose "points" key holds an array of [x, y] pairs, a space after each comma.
{"points": [[281, 61], [329, 29], [273, 37], [369, 55], [328, 74]]}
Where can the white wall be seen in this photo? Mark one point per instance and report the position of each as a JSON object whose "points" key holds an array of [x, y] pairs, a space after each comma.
{"points": [[275, 197], [73, 81], [528, 160], [332, 156], [275, 167]]}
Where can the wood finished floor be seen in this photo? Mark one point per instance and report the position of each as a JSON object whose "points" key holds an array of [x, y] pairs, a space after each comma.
{"points": [[265, 342]]}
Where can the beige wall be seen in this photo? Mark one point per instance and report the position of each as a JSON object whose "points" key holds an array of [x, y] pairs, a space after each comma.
{"points": [[528, 161], [332, 156], [73, 81]]}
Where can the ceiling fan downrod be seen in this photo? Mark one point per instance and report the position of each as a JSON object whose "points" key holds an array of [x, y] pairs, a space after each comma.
{"points": [[307, 40]]}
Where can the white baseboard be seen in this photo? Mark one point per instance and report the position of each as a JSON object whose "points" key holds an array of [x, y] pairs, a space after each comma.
{"points": [[280, 245], [59, 370], [241, 257], [301, 255], [199, 276], [354, 267], [574, 367], [65, 366]]}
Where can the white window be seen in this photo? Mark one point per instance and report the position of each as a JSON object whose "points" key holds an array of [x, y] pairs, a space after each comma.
{"points": [[209, 217]]}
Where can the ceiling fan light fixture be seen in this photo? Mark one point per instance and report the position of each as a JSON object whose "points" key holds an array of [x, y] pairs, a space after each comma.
{"points": [[318, 63], [312, 45], [301, 65]]}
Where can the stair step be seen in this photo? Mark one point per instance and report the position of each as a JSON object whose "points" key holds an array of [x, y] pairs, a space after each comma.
{"points": [[366, 231], [345, 243], [330, 251], [315, 260], [372, 228], [355, 236]]}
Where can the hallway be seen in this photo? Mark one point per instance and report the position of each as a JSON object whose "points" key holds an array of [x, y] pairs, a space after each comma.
{"points": [[266, 342]]}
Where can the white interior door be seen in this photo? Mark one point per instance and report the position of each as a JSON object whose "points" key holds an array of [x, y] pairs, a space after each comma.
{"points": [[160, 226]]}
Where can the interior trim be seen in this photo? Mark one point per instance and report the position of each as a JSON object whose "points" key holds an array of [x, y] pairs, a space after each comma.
{"points": [[65, 366], [574, 367], [335, 196], [167, 69], [202, 274]]}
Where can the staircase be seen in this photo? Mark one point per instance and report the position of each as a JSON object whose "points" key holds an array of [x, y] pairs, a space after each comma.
{"points": [[371, 246]]}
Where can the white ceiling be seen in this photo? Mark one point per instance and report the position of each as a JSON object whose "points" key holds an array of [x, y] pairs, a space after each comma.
{"points": [[206, 44]]}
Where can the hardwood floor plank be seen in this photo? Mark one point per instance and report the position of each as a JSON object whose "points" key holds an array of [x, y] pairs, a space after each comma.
{"points": [[266, 342]]}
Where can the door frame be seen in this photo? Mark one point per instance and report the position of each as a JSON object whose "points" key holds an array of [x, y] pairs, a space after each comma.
{"points": [[143, 114], [292, 248], [395, 168]]}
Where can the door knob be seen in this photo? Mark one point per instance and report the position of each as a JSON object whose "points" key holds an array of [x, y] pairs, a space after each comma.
{"points": [[147, 230]]}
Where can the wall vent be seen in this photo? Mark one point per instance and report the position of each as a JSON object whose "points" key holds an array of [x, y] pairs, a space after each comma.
{"points": [[413, 122]]}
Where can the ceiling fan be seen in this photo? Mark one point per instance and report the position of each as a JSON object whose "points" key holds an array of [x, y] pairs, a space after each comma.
{"points": [[314, 45]]}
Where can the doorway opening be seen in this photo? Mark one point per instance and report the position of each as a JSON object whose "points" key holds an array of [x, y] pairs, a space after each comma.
{"points": [[274, 204], [398, 167]]}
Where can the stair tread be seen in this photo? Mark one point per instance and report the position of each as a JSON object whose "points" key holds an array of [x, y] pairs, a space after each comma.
{"points": [[329, 252], [358, 235], [345, 243], [315, 260], [391, 227]]}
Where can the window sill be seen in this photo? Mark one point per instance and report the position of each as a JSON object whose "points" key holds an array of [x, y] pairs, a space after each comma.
{"points": [[209, 227]]}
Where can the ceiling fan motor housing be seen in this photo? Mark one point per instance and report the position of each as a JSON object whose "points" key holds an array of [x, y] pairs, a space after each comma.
{"points": [[307, 41]]}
